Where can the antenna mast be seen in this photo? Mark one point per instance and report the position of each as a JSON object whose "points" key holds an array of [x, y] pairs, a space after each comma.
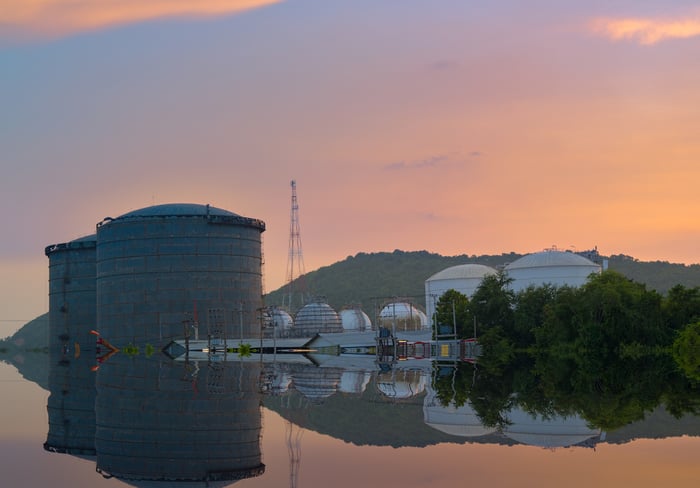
{"points": [[295, 259]]}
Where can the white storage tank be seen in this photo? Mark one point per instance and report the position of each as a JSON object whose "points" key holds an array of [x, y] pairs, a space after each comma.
{"points": [[464, 278], [552, 267], [402, 316]]}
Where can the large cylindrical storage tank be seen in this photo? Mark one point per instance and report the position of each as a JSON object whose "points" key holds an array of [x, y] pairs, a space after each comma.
{"points": [[464, 278], [72, 315], [158, 265], [558, 268], [160, 420]]}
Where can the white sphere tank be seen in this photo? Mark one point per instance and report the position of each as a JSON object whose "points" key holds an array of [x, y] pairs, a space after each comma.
{"points": [[558, 268], [355, 319], [403, 317], [464, 278]]}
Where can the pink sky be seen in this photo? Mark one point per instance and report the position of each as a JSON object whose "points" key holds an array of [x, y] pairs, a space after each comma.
{"points": [[440, 126]]}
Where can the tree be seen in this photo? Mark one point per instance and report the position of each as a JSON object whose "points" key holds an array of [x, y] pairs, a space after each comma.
{"points": [[451, 309], [686, 350]]}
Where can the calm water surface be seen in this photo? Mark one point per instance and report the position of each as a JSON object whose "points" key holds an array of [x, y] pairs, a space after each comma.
{"points": [[301, 425]]}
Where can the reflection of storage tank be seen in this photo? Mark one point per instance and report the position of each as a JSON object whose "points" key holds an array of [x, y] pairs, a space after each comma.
{"points": [[156, 264], [458, 421], [316, 317], [72, 314], [401, 384], [548, 432], [402, 316], [354, 381], [316, 384], [353, 318], [558, 268], [464, 278], [160, 421]]}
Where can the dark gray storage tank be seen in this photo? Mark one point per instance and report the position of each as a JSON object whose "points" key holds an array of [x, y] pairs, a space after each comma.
{"points": [[197, 424], [158, 265], [72, 315]]}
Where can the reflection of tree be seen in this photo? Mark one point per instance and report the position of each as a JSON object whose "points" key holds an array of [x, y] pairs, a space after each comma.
{"points": [[602, 351]]}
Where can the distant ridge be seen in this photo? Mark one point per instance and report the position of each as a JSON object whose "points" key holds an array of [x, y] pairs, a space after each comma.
{"points": [[368, 279]]}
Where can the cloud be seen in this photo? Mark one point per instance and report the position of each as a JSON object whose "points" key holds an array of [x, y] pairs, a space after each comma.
{"points": [[55, 18], [430, 162], [647, 31], [440, 160]]}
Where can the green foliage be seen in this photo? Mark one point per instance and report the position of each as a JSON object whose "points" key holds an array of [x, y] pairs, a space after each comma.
{"points": [[130, 350], [452, 309], [686, 350], [244, 350], [601, 351]]}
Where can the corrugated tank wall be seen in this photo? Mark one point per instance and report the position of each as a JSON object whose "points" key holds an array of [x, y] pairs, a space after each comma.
{"points": [[162, 420], [157, 265], [72, 315]]}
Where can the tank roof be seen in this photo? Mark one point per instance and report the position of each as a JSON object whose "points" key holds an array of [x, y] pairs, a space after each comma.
{"points": [[463, 271], [550, 258], [79, 243], [176, 210]]}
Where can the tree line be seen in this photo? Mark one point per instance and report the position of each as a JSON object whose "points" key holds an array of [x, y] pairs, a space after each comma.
{"points": [[609, 350]]}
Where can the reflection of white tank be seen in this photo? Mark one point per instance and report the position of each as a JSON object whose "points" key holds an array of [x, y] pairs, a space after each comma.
{"points": [[355, 319], [354, 381], [464, 278], [401, 384], [555, 432], [316, 384], [557, 268], [316, 317], [458, 421], [402, 316]]}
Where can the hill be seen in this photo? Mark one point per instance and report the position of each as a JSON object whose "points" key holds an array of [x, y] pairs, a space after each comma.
{"points": [[369, 279]]}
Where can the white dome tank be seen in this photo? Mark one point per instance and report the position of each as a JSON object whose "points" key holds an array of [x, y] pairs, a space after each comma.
{"points": [[558, 268], [464, 278], [355, 319], [402, 316]]}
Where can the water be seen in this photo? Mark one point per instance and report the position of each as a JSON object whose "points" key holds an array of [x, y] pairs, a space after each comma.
{"points": [[300, 425]]}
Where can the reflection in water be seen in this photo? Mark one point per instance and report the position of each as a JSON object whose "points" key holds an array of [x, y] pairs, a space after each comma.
{"points": [[159, 421]]}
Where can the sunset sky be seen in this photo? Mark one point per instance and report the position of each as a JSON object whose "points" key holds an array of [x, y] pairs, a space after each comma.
{"points": [[448, 126]]}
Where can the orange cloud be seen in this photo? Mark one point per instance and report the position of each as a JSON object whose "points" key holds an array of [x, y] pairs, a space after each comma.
{"points": [[62, 17], [647, 31]]}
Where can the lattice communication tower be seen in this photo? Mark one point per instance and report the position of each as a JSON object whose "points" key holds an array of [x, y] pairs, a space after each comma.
{"points": [[295, 294]]}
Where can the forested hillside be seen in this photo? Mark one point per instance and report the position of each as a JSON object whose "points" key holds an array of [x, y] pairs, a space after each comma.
{"points": [[369, 279]]}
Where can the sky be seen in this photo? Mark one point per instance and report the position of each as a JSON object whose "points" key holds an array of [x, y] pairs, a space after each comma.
{"points": [[452, 126]]}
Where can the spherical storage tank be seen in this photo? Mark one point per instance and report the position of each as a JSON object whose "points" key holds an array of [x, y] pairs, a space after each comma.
{"points": [[402, 316], [553, 267], [158, 264], [464, 278], [72, 315], [316, 317], [354, 319]]}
